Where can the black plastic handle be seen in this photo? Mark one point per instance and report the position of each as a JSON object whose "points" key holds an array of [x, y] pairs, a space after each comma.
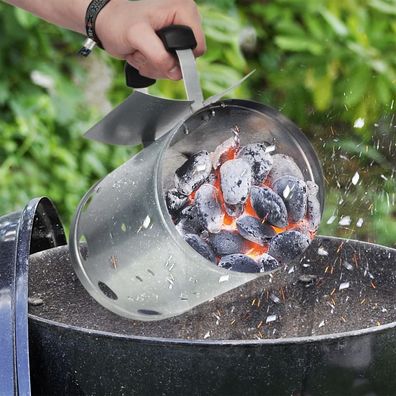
{"points": [[174, 37]]}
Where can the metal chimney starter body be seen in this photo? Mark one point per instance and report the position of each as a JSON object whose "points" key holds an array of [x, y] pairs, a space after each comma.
{"points": [[125, 248]]}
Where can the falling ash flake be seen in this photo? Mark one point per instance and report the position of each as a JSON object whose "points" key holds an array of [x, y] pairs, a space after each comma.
{"points": [[322, 323], [359, 123], [146, 222], [286, 192], [347, 265], [384, 177], [355, 178], [207, 335], [359, 223], [343, 286], [270, 149], [322, 252], [275, 298], [271, 318], [224, 278], [331, 219], [345, 221], [291, 270]]}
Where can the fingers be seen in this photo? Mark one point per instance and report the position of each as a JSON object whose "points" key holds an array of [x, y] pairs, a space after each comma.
{"points": [[151, 58]]}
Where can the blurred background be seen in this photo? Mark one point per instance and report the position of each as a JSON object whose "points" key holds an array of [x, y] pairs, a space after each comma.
{"points": [[328, 65]]}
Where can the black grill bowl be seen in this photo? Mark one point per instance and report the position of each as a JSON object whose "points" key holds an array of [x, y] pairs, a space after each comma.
{"points": [[324, 341]]}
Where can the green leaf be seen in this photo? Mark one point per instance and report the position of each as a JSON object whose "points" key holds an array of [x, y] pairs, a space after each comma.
{"points": [[387, 7], [336, 24], [299, 44]]}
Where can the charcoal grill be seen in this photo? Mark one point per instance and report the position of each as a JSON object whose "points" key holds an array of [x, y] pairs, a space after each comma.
{"points": [[218, 348]]}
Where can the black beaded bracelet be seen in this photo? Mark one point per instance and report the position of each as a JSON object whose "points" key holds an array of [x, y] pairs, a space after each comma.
{"points": [[94, 7]]}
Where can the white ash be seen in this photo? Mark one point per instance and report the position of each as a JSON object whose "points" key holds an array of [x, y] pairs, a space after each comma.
{"points": [[345, 221], [224, 278], [322, 252], [344, 285], [271, 318], [359, 223], [355, 178]]}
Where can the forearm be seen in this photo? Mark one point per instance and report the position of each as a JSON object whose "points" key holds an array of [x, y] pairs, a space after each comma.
{"points": [[69, 14]]}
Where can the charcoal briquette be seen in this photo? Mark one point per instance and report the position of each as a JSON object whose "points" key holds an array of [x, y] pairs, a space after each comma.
{"points": [[200, 246], [254, 230], [283, 165], [227, 242], [234, 210], [312, 188], [222, 151], [193, 172], [268, 262], [269, 206], [239, 263], [208, 208], [188, 221], [212, 178], [235, 179], [314, 213], [293, 191], [288, 245], [259, 160], [175, 200]]}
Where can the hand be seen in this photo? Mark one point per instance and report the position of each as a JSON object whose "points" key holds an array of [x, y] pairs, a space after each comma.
{"points": [[127, 31]]}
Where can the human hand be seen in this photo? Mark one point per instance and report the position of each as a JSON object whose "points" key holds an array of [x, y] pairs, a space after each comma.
{"points": [[127, 29]]}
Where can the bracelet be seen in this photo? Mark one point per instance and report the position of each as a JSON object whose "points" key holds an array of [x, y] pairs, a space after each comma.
{"points": [[94, 7]]}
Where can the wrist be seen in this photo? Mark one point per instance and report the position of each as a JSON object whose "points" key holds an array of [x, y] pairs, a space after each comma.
{"points": [[103, 19]]}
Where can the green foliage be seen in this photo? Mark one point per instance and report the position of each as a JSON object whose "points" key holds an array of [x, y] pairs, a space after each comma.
{"points": [[42, 151], [323, 55]]}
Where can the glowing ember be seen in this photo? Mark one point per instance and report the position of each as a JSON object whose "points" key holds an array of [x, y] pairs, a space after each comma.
{"points": [[243, 208]]}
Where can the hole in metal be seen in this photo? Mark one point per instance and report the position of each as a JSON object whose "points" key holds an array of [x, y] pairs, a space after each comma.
{"points": [[148, 312], [87, 203], [107, 291]]}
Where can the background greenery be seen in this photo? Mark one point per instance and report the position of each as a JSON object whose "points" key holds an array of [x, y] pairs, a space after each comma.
{"points": [[328, 65]]}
